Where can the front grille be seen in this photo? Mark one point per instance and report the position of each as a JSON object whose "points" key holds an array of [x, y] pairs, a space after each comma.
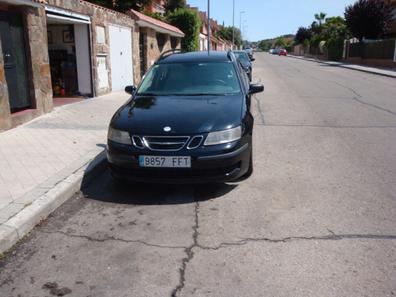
{"points": [[165, 143]]}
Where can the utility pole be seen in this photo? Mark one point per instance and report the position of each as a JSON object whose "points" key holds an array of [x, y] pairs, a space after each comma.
{"points": [[233, 23], [209, 42]]}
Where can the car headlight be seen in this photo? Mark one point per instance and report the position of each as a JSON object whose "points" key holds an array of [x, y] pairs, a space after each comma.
{"points": [[225, 136], [119, 136]]}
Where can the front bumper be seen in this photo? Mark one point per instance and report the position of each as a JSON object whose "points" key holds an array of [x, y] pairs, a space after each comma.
{"points": [[222, 163]]}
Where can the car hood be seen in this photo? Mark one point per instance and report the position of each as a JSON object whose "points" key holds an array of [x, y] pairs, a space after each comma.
{"points": [[185, 115]]}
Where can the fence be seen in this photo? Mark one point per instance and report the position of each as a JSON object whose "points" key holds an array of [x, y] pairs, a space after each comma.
{"points": [[381, 49]]}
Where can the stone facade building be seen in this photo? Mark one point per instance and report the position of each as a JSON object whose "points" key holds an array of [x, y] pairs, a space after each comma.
{"points": [[67, 49], [155, 37]]}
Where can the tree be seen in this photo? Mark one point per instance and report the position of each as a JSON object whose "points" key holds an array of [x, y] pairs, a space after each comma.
{"points": [[188, 21], [172, 5], [320, 17], [302, 35], [265, 45], [280, 42], [226, 33], [368, 18], [334, 34], [123, 5]]}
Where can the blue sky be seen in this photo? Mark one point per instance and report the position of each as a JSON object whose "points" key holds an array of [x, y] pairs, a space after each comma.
{"points": [[271, 18]]}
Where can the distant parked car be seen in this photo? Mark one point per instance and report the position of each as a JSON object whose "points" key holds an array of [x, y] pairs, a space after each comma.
{"points": [[249, 51], [282, 52], [246, 62], [271, 51], [275, 51]]}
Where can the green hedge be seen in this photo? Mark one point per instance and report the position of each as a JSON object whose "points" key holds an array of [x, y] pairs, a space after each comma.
{"points": [[187, 21]]}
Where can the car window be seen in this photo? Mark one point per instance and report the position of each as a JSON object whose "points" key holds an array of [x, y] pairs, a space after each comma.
{"points": [[190, 79], [242, 56]]}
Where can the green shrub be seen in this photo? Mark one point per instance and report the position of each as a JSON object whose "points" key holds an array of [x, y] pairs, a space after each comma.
{"points": [[335, 48], [187, 21]]}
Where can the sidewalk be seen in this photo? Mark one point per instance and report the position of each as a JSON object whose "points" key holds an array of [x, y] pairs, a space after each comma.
{"points": [[389, 72], [43, 162]]}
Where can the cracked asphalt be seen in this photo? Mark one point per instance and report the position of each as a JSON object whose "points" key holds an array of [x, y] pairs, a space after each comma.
{"points": [[317, 218]]}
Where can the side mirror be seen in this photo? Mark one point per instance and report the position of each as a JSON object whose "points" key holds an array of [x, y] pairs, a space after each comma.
{"points": [[256, 88], [252, 59], [130, 89]]}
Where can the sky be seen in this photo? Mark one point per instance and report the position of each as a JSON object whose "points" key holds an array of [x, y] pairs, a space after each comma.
{"points": [[271, 18]]}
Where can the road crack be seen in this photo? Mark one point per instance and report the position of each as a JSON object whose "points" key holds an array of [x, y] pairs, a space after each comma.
{"points": [[189, 254], [357, 97], [112, 238], [331, 237]]}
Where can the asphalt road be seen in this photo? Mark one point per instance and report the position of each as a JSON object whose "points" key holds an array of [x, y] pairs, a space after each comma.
{"points": [[317, 218]]}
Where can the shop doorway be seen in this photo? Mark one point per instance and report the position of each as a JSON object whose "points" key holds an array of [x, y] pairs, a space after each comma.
{"points": [[70, 57], [15, 62]]}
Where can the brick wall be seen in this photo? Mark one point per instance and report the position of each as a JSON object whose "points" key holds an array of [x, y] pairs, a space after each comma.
{"points": [[372, 62]]}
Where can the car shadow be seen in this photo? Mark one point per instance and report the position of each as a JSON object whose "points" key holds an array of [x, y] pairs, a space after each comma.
{"points": [[105, 189]]}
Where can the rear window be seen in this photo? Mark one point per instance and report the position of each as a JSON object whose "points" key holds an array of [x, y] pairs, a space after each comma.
{"points": [[190, 79]]}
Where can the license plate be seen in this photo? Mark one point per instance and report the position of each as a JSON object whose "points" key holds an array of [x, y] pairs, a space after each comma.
{"points": [[164, 162]]}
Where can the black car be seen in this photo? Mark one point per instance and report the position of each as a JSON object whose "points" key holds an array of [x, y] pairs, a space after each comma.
{"points": [[246, 62], [188, 121], [249, 51]]}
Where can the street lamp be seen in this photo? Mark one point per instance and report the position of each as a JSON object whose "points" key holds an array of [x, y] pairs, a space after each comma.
{"points": [[209, 42], [244, 28], [240, 22], [233, 23]]}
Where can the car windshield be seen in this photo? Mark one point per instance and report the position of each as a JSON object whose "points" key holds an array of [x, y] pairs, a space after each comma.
{"points": [[242, 56], [190, 79]]}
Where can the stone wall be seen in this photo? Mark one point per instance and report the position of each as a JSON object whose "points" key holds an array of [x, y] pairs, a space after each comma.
{"points": [[37, 51], [102, 17], [38, 69], [389, 63], [151, 49], [5, 120]]}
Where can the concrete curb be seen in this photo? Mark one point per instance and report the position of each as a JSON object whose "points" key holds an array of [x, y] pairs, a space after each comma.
{"points": [[45, 202], [346, 66]]}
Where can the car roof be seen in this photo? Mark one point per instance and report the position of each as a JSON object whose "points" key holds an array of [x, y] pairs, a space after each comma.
{"points": [[204, 56]]}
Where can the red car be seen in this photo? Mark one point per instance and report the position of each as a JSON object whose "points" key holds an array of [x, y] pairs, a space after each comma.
{"points": [[282, 52]]}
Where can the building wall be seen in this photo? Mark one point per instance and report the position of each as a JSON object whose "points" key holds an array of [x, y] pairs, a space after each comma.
{"points": [[152, 49], [5, 120], [40, 73], [40, 90], [102, 17]]}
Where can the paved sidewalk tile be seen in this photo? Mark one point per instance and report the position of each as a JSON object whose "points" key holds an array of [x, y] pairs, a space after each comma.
{"points": [[34, 154]]}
